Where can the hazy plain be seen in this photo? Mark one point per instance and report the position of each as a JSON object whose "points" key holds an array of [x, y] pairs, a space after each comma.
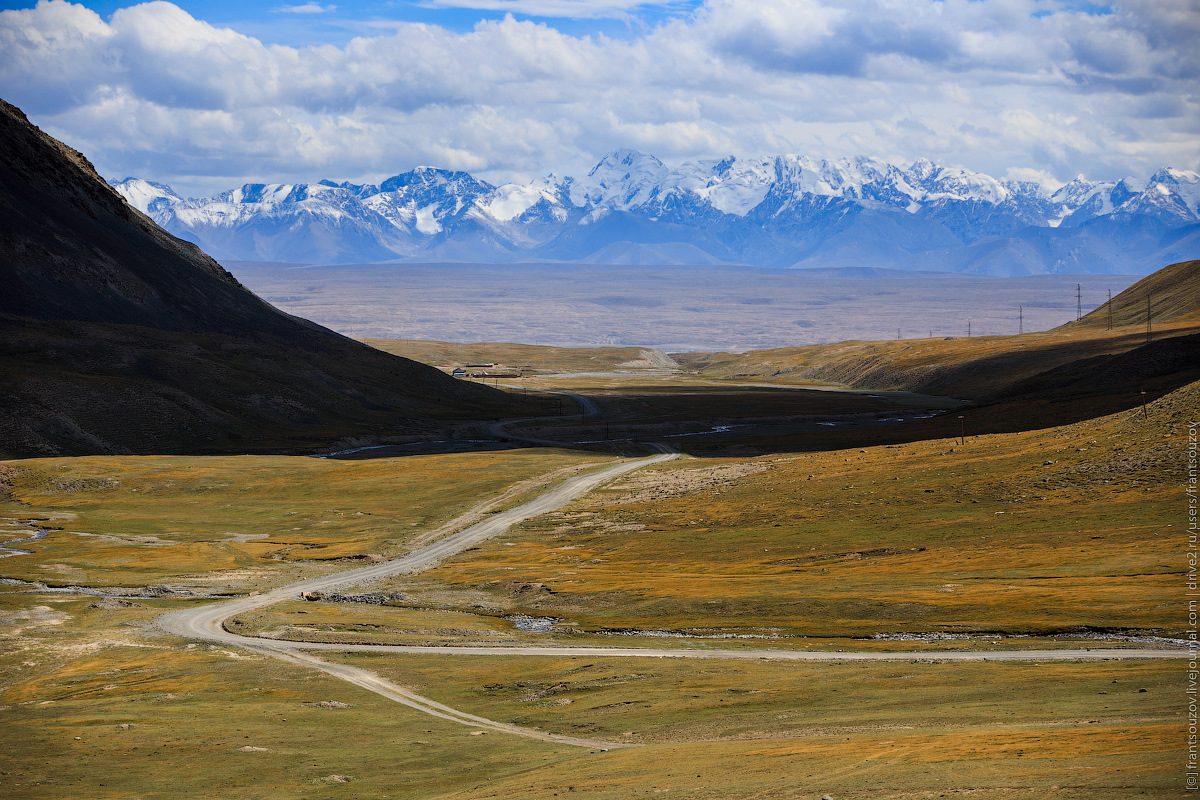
{"points": [[675, 309]]}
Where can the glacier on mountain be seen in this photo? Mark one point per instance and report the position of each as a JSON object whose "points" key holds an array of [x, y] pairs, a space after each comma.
{"points": [[778, 211]]}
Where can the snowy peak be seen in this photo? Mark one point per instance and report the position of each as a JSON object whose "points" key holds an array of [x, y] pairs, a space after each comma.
{"points": [[729, 185], [1079, 191], [947, 183], [624, 165], [143, 194], [922, 170], [1182, 184], [622, 180], [426, 181], [772, 210], [421, 201], [1026, 189], [512, 200], [272, 194]]}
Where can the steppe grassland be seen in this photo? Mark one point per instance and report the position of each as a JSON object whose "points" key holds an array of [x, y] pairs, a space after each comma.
{"points": [[73, 665], [1073, 729], [93, 708], [902, 730], [1060, 530], [769, 730], [103, 708], [132, 521]]}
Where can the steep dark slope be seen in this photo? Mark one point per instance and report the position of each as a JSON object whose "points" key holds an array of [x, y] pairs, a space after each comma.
{"points": [[116, 337]]}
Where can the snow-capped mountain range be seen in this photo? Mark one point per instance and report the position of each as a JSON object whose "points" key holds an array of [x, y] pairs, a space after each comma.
{"points": [[782, 211]]}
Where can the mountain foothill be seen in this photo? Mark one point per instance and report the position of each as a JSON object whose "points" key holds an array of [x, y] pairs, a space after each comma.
{"points": [[117, 337]]}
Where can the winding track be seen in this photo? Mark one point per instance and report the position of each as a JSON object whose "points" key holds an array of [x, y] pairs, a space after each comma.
{"points": [[207, 622]]}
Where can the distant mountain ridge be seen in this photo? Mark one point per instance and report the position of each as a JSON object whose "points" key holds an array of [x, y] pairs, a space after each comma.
{"points": [[782, 211]]}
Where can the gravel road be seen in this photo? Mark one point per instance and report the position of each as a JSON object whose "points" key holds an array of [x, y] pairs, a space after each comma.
{"points": [[206, 622]]}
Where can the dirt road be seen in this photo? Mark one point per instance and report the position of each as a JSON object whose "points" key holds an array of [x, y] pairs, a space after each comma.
{"points": [[207, 622]]}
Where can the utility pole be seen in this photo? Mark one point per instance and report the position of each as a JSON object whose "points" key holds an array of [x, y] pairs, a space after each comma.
{"points": [[968, 329], [1078, 302], [1145, 413], [962, 430], [897, 333], [1020, 319], [1110, 309], [931, 333]]}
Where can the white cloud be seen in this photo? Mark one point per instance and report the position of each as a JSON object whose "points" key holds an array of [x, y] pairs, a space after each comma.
{"points": [[307, 8], [572, 9], [986, 84]]}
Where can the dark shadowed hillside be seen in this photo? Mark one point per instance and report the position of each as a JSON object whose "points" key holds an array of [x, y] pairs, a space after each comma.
{"points": [[115, 337]]}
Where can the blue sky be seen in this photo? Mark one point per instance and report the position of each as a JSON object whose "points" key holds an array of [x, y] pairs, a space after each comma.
{"points": [[306, 22], [207, 95]]}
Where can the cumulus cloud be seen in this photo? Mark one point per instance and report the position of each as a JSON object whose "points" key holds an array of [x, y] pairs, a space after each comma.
{"points": [[1017, 87], [807, 36], [307, 8], [574, 9]]}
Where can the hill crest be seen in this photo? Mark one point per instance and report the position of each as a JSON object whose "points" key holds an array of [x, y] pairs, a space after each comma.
{"points": [[117, 337]]}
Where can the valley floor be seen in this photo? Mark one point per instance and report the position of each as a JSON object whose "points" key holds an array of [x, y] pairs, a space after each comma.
{"points": [[1068, 537]]}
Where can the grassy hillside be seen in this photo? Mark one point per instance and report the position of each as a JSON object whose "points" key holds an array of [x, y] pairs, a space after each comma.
{"points": [[1080, 370], [1003, 535], [971, 367], [1174, 294], [115, 337]]}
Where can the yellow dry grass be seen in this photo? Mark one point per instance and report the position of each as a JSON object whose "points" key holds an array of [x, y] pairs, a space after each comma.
{"points": [[1066, 529], [744, 546], [98, 707], [133, 520]]}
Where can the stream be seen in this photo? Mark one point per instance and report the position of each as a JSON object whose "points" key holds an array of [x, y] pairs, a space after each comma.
{"points": [[8, 551]]}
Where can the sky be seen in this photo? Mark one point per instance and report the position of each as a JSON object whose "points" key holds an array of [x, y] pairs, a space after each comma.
{"points": [[205, 96]]}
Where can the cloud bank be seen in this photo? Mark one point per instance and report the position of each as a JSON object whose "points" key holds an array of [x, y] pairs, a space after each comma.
{"points": [[1028, 88]]}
